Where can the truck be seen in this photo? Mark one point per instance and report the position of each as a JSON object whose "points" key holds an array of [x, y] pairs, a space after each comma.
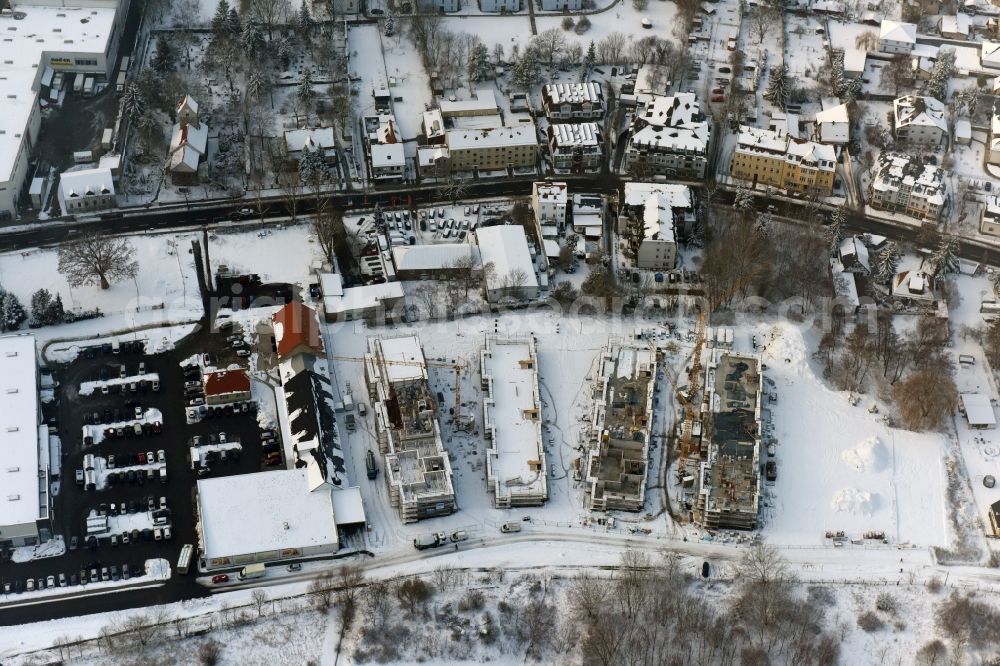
{"points": [[252, 571], [362, 409], [507, 528], [349, 421], [371, 464], [425, 541]]}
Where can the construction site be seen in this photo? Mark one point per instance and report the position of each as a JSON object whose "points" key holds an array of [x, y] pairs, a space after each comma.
{"points": [[515, 456], [728, 476], [616, 464], [417, 469]]}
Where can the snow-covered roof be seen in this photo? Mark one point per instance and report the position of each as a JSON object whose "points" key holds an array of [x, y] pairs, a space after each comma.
{"points": [[978, 410], [86, 182], [188, 144], [897, 172], [496, 137], [854, 60], [990, 53], [672, 122], [404, 358], [637, 194], [896, 31], [553, 193], [39, 35], [433, 123], [833, 124], [429, 156], [515, 457], [184, 160], [756, 139], [432, 257], [506, 247], [844, 284], [264, 511], [188, 103], [485, 103], [575, 134], [913, 285], [348, 507], [573, 93], [356, 299], [387, 155], [963, 129], [960, 24], [852, 249], [331, 284], [310, 138], [658, 218], [19, 433], [551, 248], [918, 111], [812, 154], [651, 80]]}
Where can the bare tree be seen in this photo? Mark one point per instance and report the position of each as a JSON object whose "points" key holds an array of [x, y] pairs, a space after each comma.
{"points": [[210, 653], [867, 41], [549, 44], [413, 593], [291, 191], [376, 603], [259, 598], [925, 398], [94, 258], [268, 13], [320, 591], [350, 578], [331, 232], [897, 73]]}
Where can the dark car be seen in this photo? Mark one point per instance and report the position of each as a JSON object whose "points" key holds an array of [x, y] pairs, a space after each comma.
{"points": [[771, 470], [92, 542], [74, 543]]}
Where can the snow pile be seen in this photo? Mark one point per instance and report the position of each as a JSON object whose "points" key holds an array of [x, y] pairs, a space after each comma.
{"points": [[868, 456], [52, 548], [853, 500]]}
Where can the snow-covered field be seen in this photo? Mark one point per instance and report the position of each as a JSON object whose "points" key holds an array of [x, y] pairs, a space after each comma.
{"points": [[839, 466]]}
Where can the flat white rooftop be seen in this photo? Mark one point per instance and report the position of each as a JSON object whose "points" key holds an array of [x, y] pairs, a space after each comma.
{"points": [[506, 247], [19, 433], [263, 511], [63, 31], [517, 459], [402, 356]]}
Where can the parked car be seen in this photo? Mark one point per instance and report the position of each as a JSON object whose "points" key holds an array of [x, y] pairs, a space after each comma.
{"points": [[220, 578]]}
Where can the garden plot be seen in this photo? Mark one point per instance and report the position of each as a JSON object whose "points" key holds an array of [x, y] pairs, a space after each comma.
{"points": [[409, 83], [840, 468]]}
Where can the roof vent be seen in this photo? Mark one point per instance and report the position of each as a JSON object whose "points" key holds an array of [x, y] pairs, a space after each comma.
{"points": [[12, 390], [13, 469], [13, 498]]}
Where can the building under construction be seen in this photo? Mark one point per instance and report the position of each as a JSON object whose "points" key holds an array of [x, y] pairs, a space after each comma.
{"points": [[512, 417], [615, 466], [417, 469], [729, 479]]}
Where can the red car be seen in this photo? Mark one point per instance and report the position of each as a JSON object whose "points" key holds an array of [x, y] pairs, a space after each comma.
{"points": [[718, 91], [220, 578], [718, 98]]}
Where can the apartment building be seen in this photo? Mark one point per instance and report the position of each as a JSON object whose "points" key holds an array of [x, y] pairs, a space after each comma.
{"points": [[989, 219], [729, 481], [86, 190], [417, 468], [919, 121], [616, 463], [43, 38], [770, 157], [493, 149], [670, 137], [904, 184], [897, 37], [516, 472], [575, 147], [573, 102], [548, 202], [648, 222]]}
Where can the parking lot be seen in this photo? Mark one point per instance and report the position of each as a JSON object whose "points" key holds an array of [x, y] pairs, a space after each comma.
{"points": [[127, 421]]}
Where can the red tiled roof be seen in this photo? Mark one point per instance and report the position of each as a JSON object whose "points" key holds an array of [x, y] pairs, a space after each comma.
{"points": [[294, 325], [226, 381]]}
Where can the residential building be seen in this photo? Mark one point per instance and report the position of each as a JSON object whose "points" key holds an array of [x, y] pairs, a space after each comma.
{"points": [[957, 26], [897, 37], [310, 140], [636, 204], [904, 184], [86, 190], [291, 519], [573, 102], [297, 331], [562, 5], [989, 219], [548, 202], [433, 161], [188, 144], [919, 121], [417, 468], [575, 147], [833, 125], [989, 54], [226, 386], [729, 481], [853, 255], [386, 156], [516, 471], [993, 147], [497, 149], [913, 288], [501, 6], [616, 462], [513, 276], [482, 103], [432, 125], [378, 301], [963, 132], [26, 510], [767, 157], [446, 6], [588, 216], [670, 137], [78, 38]]}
